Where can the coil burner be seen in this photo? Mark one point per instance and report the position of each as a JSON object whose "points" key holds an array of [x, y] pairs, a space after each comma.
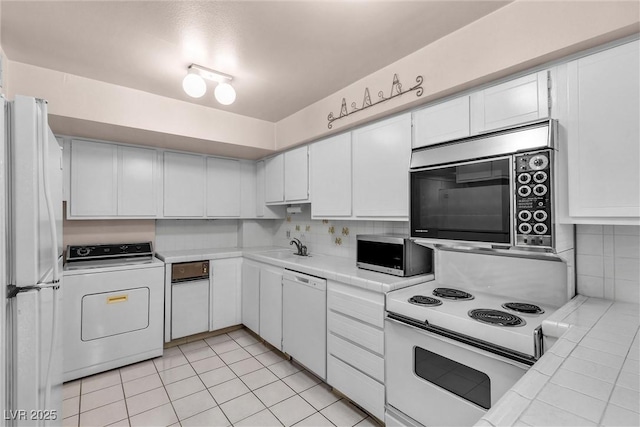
{"points": [[425, 301], [523, 307], [496, 317], [453, 294]]}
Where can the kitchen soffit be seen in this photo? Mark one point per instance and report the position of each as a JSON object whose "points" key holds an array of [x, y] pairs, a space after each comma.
{"points": [[284, 55]]}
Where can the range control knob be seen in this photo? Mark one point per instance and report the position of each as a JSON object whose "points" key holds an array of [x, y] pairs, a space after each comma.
{"points": [[540, 190], [540, 215], [540, 176], [84, 251], [540, 228], [538, 162], [524, 178], [524, 216], [524, 191], [524, 228]]}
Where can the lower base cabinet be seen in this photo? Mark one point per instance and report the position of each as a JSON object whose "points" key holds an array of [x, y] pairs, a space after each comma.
{"points": [[262, 301], [225, 293], [355, 345]]}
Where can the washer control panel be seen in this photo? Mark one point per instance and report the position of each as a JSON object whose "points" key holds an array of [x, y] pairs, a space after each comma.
{"points": [[533, 199]]}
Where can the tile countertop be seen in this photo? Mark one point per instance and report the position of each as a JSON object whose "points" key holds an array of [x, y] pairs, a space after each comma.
{"points": [[588, 378], [329, 267]]}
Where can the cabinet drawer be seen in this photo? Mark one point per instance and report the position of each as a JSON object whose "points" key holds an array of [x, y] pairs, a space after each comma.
{"points": [[358, 387], [365, 335], [367, 362], [358, 303]]}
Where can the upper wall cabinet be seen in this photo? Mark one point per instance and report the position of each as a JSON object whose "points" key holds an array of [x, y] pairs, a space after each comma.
{"points": [[223, 187], [381, 154], [109, 180], [184, 185], [510, 103], [331, 177], [261, 209], [274, 179], [442, 122], [287, 177], [603, 133], [296, 175]]}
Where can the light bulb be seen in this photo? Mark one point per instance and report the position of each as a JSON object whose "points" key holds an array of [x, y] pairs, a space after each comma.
{"points": [[194, 85], [225, 94]]}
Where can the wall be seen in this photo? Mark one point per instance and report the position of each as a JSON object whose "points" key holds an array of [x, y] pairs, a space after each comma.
{"points": [[518, 36], [320, 239], [180, 234], [90, 108], [86, 232], [608, 263]]}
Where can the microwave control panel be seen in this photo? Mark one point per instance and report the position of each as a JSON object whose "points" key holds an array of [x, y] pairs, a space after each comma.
{"points": [[533, 199]]}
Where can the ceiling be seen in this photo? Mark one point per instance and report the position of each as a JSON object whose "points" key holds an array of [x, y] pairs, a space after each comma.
{"points": [[284, 55]]}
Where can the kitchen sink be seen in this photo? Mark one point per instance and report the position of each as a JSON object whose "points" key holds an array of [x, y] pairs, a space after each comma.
{"points": [[285, 255]]}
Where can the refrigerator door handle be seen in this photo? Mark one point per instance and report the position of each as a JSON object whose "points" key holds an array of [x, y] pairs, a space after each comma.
{"points": [[47, 189]]}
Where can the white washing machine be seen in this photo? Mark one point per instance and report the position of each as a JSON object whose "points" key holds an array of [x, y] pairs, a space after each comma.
{"points": [[113, 307]]}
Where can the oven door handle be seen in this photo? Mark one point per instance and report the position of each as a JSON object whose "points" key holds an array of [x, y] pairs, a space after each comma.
{"points": [[465, 339]]}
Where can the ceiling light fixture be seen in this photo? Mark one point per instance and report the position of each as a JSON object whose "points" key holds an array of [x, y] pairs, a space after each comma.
{"points": [[195, 86]]}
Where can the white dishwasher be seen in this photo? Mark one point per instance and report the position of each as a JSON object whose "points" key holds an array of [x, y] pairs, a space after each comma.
{"points": [[189, 298], [304, 320]]}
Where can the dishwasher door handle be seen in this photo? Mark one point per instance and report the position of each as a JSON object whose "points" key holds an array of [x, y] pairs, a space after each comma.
{"points": [[301, 279]]}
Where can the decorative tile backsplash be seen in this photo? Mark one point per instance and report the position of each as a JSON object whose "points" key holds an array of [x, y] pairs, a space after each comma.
{"points": [[607, 261], [331, 237]]}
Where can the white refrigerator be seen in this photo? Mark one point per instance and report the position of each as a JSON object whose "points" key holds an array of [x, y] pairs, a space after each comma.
{"points": [[30, 266]]}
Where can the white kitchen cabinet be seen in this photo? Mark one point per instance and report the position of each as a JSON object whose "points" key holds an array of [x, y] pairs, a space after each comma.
{"points": [[274, 179], [355, 345], [260, 189], [223, 187], [296, 175], [330, 172], [226, 297], [137, 182], [251, 295], [517, 101], [248, 193], [271, 305], [184, 185], [442, 122], [189, 308], [94, 179], [603, 134], [381, 154]]}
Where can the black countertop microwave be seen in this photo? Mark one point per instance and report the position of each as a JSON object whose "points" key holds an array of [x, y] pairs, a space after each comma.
{"points": [[393, 254]]}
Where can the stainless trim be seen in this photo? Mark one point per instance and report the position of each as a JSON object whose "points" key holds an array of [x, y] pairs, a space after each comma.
{"points": [[490, 249], [525, 359], [380, 269], [538, 343], [531, 136], [383, 238]]}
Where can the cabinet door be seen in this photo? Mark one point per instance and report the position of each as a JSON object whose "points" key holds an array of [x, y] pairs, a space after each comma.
{"points": [[516, 101], [248, 193], [260, 188], [184, 179], [251, 296], [223, 187], [226, 293], [604, 133], [137, 181], [189, 308], [331, 177], [381, 154], [274, 179], [296, 174], [271, 306], [94, 176], [443, 122]]}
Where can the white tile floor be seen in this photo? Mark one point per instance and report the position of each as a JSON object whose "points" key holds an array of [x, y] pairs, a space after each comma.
{"points": [[229, 379]]}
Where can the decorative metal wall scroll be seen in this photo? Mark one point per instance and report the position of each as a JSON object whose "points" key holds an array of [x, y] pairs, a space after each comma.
{"points": [[396, 90]]}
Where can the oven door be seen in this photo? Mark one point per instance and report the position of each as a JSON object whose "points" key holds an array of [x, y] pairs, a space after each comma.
{"points": [[439, 381], [469, 201]]}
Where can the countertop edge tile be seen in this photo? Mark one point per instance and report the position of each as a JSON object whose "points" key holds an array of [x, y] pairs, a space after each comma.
{"points": [[572, 322]]}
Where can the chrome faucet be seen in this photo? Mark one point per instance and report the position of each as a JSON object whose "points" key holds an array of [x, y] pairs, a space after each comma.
{"points": [[302, 249]]}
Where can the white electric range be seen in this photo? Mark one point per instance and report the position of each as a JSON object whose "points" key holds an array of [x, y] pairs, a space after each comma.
{"points": [[455, 346]]}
